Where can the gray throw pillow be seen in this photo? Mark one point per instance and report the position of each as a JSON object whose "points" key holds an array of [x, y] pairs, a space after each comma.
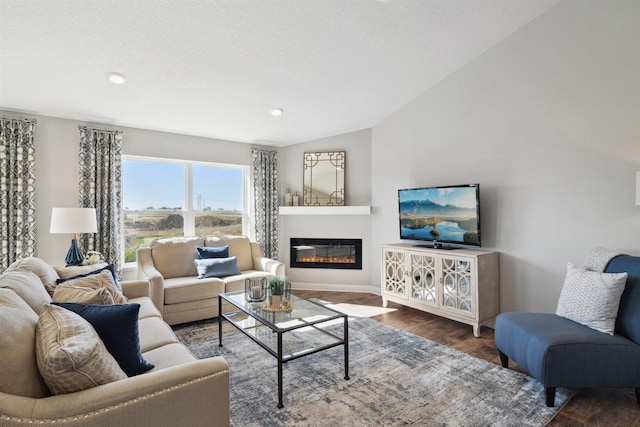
{"points": [[217, 267]]}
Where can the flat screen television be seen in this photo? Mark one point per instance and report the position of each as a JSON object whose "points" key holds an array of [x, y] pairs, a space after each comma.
{"points": [[448, 214]]}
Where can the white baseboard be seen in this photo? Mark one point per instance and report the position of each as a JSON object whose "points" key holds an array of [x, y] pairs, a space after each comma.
{"points": [[335, 287]]}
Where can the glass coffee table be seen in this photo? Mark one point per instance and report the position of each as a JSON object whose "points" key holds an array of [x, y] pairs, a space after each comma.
{"points": [[286, 335]]}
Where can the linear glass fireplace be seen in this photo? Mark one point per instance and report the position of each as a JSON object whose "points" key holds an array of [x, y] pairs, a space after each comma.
{"points": [[326, 253]]}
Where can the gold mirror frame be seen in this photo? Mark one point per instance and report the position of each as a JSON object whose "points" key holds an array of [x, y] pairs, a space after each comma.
{"points": [[323, 178]]}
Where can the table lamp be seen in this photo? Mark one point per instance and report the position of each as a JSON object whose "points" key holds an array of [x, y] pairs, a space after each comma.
{"points": [[73, 221]]}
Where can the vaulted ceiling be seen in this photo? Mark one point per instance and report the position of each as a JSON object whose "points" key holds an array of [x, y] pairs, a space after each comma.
{"points": [[216, 68]]}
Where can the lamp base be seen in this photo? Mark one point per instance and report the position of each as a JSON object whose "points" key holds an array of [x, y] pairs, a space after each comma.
{"points": [[74, 256]]}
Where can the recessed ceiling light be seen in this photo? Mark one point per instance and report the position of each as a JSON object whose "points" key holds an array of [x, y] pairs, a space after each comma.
{"points": [[116, 78], [277, 112]]}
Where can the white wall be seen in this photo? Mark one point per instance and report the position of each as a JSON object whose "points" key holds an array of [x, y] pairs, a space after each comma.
{"points": [[57, 141], [357, 147], [548, 122]]}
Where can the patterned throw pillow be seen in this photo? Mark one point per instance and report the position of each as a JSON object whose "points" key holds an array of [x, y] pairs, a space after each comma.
{"points": [[103, 279], [591, 298], [70, 293], [70, 354]]}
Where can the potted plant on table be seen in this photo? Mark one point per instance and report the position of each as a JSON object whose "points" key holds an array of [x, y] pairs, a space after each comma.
{"points": [[276, 289]]}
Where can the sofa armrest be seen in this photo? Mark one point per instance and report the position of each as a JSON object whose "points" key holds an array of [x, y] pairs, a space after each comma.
{"points": [[135, 288], [267, 264], [193, 394], [147, 271]]}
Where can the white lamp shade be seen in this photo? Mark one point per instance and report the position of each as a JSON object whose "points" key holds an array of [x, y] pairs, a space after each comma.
{"points": [[73, 220], [637, 188]]}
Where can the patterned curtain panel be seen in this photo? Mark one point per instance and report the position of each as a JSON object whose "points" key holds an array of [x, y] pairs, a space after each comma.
{"points": [[17, 189], [100, 183], [265, 185]]}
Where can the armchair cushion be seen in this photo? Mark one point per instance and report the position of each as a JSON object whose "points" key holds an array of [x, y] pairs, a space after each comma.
{"points": [[71, 357], [173, 257], [591, 298], [239, 247]]}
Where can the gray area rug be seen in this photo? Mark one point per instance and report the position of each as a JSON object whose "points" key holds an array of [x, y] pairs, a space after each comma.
{"points": [[397, 379]]}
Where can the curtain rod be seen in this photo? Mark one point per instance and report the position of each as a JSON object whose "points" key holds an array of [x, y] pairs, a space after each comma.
{"points": [[263, 148], [23, 119], [82, 127]]}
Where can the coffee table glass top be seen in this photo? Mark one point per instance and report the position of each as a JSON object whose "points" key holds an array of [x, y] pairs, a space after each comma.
{"points": [[304, 312], [307, 328]]}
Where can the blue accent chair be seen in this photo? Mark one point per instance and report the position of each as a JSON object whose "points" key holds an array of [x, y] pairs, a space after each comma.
{"points": [[559, 352]]}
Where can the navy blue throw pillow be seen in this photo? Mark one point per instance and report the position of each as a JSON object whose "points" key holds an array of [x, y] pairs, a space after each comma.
{"points": [[109, 267], [206, 252], [117, 326], [217, 267]]}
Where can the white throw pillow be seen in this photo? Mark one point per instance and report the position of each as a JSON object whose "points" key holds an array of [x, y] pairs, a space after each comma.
{"points": [[591, 298]]}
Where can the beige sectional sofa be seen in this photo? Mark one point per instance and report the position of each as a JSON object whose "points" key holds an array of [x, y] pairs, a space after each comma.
{"points": [[169, 264], [179, 391]]}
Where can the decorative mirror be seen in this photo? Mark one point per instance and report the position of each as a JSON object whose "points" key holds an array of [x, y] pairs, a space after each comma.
{"points": [[323, 179]]}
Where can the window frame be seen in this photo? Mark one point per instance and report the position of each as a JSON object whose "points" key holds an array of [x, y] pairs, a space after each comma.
{"points": [[188, 212]]}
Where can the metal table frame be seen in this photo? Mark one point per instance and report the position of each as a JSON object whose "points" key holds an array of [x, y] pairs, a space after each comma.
{"points": [[271, 324]]}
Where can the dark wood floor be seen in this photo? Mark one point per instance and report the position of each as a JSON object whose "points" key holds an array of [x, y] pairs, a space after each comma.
{"points": [[603, 407]]}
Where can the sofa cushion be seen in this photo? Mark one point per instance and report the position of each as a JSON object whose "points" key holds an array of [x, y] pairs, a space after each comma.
{"points": [[44, 271], [213, 252], [70, 354], [591, 298], [28, 286], [169, 355], [70, 293], [173, 257], [154, 333], [239, 247], [186, 289], [18, 348], [217, 267], [117, 326], [102, 278], [147, 307]]}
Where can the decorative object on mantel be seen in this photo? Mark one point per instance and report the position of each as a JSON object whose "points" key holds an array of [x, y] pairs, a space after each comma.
{"points": [[323, 178], [72, 221], [255, 289], [296, 199], [287, 198]]}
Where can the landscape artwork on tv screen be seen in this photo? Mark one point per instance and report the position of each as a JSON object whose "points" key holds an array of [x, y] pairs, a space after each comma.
{"points": [[448, 214]]}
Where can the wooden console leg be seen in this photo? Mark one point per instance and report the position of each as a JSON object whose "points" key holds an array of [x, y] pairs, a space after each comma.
{"points": [[385, 303], [550, 394], [504, 359]]}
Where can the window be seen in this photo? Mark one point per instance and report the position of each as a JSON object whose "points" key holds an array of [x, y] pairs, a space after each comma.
{"points": [[171, 198]]}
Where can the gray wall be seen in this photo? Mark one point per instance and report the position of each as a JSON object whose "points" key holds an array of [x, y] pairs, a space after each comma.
{"points": [[548, 122], [357, 146]]}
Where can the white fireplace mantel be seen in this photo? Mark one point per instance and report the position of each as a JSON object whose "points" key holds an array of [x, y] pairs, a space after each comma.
{"points": [[324, 210]]}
